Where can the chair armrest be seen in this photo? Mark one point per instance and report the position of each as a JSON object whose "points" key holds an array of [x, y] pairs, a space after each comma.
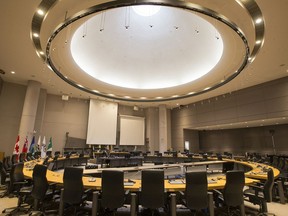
{"points": [[217, 192], [88, 191], [127, 192], [256, 187]]}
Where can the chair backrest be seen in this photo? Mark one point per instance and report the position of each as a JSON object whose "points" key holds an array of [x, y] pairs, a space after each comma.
{"points": [[152, 189], [29, 156], [14, 158], [275, 161], [37, 154], [73, 185], [268, 186], [196, 190], [49, 154], [285, 168], [22, 157], [233, 189], [113, 194], [40, 183], [3, 173], [16, 175], [6, 162], [57, 153], [281, 163]]}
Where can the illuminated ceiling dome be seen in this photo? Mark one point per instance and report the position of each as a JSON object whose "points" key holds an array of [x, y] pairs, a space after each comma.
{"points": [[179, 50], [161, 51]]}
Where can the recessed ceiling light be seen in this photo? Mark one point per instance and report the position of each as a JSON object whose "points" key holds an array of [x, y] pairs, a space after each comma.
{"points": [[259, 20], [12, 72], [40, 12]]}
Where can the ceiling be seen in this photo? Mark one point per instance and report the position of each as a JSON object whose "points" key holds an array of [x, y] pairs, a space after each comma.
{"points": [[18, 53]]}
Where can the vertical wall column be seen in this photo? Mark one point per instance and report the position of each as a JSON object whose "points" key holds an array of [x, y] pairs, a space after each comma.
{"points": [[152, 129], [29, 111], [163, 129]]}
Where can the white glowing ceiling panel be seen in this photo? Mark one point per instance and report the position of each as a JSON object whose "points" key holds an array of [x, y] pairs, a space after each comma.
{"points": [[169, 48]]}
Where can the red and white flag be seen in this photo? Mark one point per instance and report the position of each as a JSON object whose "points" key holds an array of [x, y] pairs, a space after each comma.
{"points": [[25, 146], [16, 147]]}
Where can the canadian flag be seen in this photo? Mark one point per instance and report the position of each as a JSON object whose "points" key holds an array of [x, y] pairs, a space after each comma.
{"points": [[25, 146], [16, 147]]}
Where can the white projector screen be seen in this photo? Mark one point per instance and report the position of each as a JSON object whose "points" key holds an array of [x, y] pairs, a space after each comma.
{"points": [[102, 123], [132, 130]]}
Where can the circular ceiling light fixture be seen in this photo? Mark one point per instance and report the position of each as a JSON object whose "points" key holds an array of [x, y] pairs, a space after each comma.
{"points": [[231, 59], [142, 58]]}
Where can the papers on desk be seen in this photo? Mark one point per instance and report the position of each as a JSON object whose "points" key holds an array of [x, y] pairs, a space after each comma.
{"points": [[92, 179], [212, 181], [176, 181], [128, 183]]}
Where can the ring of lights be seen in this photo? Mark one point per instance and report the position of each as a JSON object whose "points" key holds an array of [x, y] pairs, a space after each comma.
{"points": [[248, 5]]}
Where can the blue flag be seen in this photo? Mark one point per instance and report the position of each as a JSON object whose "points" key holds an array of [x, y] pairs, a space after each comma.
{"points": [[32, 145]]}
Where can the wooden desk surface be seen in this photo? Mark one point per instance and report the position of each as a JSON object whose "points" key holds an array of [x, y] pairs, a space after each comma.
{"points": [[257, 173]]}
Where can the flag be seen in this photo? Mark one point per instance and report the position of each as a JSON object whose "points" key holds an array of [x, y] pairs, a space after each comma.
{"points": [[32, 145], [49, 147], [37, 147], [43, 148], [16, 147], [25, 146]]}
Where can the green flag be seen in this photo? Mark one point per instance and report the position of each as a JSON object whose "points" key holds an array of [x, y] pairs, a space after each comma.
{"points": [[49, 148]]}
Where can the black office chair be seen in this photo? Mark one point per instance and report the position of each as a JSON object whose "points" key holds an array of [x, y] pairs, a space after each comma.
{"points": [[7, 163], [29, 156], [22, 157], [14, 159], [232, 193], [275, 161], [152, 195], [196, 196], [56, 153], [42, 192], [72, 195], [112, 195], [5, 180], [261, 194], [49, 154], [19, 187], [37, 154]]}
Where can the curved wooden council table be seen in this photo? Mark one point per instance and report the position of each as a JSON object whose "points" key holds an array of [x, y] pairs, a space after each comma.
{"points": [[256, 173]]}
